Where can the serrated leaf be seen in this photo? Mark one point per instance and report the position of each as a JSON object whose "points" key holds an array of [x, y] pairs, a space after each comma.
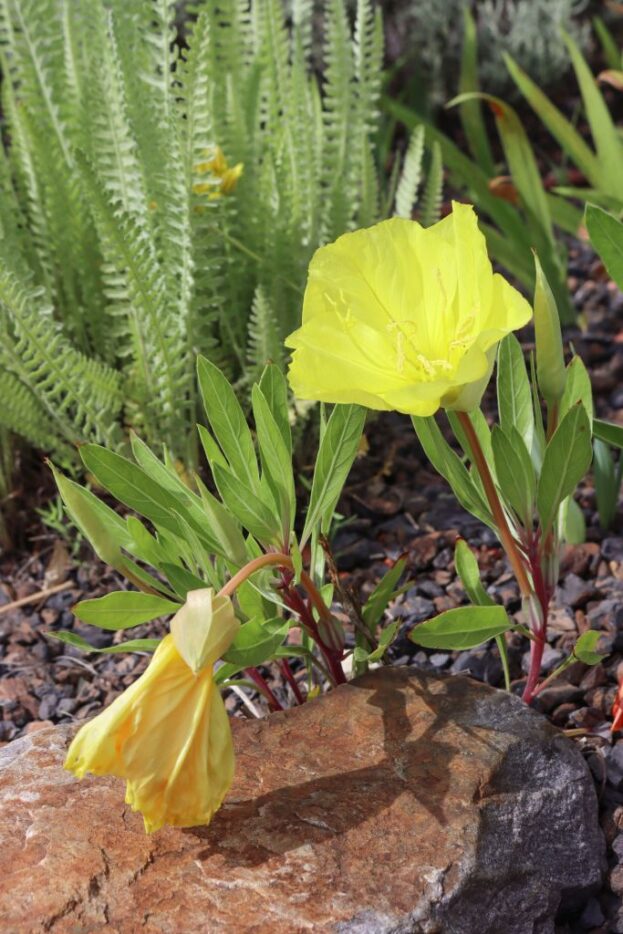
{"points": [[463, 628], [123, 609]]}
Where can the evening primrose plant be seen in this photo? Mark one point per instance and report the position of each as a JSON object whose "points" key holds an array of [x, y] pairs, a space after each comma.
{"points": [[412, 319], [242, 579]]}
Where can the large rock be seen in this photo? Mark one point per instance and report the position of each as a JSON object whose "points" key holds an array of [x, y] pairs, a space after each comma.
{"points": [[399, 803]]}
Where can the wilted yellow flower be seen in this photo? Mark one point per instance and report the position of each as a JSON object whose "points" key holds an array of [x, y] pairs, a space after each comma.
{"points": [[224, 177], [401, 317], [168, 734]]}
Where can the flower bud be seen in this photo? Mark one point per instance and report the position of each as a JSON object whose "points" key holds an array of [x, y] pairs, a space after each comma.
{"points": [[204, 628]]}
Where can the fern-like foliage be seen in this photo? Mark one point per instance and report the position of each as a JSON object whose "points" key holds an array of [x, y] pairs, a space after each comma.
{"points": [[116, 265]]}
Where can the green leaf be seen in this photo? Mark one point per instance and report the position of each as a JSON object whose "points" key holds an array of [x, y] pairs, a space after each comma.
{"points": [[608, 432], [567, 457], [451, 468], [515, 473], [513, 387], [520, 158], [463, 628], [558, 125], [275, 390], [182, 580], [132, 645], [606, 233], [131, 485], [603, 130], [471, 110], [550, 358], [100, 525], [574, 524], [577, 389], [256, 642], [385, 590], [469, 572], [247, 507], [584, 648], [223, 527], [124, 609], [276, 461], [228, 423], [337, 451], [387, 636]]}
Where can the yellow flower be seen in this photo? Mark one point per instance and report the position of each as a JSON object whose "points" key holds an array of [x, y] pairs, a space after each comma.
{"points": [[401, 317], [168, 734], [223, 177]]}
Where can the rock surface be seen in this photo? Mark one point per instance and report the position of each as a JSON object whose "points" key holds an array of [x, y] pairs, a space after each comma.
{"points": [[402, 802]]}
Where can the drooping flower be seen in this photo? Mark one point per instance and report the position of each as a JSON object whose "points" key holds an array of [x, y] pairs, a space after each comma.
{"points": [[401, 317], [168, 735]]}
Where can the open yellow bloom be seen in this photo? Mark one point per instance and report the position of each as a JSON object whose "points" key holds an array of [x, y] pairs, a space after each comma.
{"points": [[168, 734], [401, 317]]}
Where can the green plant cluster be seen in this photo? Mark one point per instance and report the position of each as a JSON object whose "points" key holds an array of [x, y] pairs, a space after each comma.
{"points": [[177, 539], [116, 266]]}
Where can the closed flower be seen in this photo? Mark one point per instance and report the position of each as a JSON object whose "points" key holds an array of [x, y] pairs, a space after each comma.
{"points": [[168, 735], [401, 317]]}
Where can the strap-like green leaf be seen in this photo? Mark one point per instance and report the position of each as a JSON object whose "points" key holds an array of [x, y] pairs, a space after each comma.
{"points": [[463, 628]]}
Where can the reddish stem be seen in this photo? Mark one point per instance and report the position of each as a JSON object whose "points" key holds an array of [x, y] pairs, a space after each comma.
{"points": [[287, 673], [263, 688]]}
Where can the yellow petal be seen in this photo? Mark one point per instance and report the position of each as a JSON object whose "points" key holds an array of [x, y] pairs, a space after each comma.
{"points": [[398, 316], [168, 735], [204, 628]]}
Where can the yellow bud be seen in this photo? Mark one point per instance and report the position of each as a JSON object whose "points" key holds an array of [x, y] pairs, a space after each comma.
{"points": [[204, 628]]}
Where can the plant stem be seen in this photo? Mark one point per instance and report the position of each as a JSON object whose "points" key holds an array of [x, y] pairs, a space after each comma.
{"points": [[506, 537], [287, 673], [263, 688]]}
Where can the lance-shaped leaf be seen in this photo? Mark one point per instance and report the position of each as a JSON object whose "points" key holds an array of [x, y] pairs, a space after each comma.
{"points": [[550, 359], [337, 451], [256, 642], [567, 457], [514, 472], [608, 432], [513, 387], [124, 609], [132, 645], [606, 233], [463, 628], [469, 572]]}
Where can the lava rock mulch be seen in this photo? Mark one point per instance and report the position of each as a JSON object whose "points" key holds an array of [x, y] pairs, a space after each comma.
{"points": [[394, 505]]}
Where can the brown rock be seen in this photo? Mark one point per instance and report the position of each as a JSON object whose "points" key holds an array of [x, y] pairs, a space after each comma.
{"points": [[400, 802]]}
